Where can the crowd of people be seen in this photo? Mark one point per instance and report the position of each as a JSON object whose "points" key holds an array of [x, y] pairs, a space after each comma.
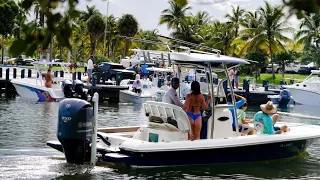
{"points": [[195, 102]]}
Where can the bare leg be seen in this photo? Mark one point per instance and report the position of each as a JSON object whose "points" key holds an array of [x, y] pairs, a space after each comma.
{"points": [[275, 118], [197, 128], [192, 127]]}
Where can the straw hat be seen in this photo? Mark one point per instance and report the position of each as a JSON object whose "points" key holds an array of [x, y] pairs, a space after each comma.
{"points": [[268, 108]]}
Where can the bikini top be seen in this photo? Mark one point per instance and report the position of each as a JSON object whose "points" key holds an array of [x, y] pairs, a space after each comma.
{"points": [[193, 107]]}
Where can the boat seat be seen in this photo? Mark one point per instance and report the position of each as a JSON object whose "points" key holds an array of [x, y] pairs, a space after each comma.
{"points": [[222, 123], [258, 127], [172, 122], [169, 114], [156, 119]]}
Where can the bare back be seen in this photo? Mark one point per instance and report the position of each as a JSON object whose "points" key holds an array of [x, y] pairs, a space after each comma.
{"points": [[194, 103]]}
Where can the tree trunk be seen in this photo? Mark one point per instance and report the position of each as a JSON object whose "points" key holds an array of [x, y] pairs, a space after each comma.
{"points": [[271, 56], [60, 48], [50, 57], [93, 47], [126, 43], [2, 49], [283, 68], [234, 46]]}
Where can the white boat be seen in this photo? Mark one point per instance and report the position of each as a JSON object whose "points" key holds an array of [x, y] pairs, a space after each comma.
{"points": [[150, 90], [307, 92], [128, 96], [34, 89], [163, 139]]}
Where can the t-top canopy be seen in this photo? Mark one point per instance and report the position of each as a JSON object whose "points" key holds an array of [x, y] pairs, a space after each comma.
{"points": [[49, 63], [203, 59], [159, 69]]}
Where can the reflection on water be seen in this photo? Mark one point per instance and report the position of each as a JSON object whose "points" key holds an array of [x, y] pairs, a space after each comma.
{"points": [[26, 126]]}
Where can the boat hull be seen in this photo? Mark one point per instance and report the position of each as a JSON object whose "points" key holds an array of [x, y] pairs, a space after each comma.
{"points": [[126, 96], [305, 97], [32, 93], [249, 153]]}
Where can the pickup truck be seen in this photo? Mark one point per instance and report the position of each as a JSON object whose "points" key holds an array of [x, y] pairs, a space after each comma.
{"points": [[289, 68], [111, 70], [25, 61]]}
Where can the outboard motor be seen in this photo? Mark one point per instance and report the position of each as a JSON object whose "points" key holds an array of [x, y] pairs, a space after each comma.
{"points": [[285, 97], [79, 89], [75, 129], [67, 88]]}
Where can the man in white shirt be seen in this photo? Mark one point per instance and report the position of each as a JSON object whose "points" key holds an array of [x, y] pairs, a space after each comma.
{"points": [[137, 85], [89, 68], [171, 95]]}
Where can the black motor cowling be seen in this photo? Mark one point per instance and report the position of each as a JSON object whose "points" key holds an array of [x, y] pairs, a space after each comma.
{"points": [[75, 129], [67, 88], [79, 89]]}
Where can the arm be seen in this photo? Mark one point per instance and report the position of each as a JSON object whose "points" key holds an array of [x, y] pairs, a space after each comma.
{"points": [[186, 103], [241, 98], [175, 99], [204, 105]]}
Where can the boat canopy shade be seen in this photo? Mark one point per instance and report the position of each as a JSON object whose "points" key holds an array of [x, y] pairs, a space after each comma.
{"points": [[159, 69], [315, 72], [49, 63], [204, 59]]}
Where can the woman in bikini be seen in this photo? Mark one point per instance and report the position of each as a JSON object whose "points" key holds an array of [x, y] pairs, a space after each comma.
{"points": [[195, 101]]}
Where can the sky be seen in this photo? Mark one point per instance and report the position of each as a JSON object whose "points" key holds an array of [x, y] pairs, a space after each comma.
{"points": [[148, 12]]}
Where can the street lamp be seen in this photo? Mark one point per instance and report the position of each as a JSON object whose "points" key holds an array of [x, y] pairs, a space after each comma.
{"points": [[105, 32]]}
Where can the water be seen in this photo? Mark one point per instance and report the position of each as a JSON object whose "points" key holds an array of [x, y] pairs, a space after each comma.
{"points": [[26, 126]]}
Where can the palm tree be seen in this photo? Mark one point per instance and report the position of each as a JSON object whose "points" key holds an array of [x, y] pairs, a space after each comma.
{"points": [[128, 26], [96, 26], [236, 19], [201, 18], [112, 32], [309, 31], [188, 31], [91, 10], [20, 20], [148, 35], [174, 15], [39, 14], [269, 33], [223, 37]]}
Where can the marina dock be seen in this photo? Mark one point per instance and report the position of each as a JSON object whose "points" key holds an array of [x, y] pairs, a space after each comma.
{"points": [[108, 93]]}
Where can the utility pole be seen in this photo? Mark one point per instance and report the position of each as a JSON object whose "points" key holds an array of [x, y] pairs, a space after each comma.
{"points": [[105, 32]]}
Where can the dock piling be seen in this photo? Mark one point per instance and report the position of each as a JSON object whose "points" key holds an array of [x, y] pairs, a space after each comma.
{"points": [[79, 75], [0, 72], [14, 73], [7, 74], [29, 73], [22, 73], [265, 84], [74, 76]]}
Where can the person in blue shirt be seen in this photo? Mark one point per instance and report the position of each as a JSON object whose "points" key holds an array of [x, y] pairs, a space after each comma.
{"points": [[268, 117], [240, 101]]}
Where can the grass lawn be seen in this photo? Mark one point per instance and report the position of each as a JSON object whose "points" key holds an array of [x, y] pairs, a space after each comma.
{"points": [[296, 77], [56, 68]]}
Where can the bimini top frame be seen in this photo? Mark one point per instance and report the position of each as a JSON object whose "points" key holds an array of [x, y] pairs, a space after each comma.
{"points": [[210, 62], [39, 76]]}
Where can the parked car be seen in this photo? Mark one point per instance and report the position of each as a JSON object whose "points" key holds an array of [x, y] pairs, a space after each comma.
{"points": [[57, 60], [307, 69], [111, 70], [24, 61], [289, 68]]}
